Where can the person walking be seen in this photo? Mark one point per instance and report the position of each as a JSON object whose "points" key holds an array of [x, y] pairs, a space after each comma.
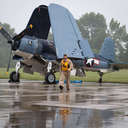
{"points": [[66, 66]]}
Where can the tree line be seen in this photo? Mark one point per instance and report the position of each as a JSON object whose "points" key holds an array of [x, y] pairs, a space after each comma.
{"points": [[93, 27]]}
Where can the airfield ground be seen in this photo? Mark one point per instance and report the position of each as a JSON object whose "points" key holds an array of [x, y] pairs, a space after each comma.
{"points": [[31, 104]]}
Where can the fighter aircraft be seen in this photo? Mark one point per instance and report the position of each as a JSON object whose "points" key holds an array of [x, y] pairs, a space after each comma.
{"points": [[36, 54]]}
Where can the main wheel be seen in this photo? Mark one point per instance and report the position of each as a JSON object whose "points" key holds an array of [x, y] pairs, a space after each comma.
{"points": [[14, 77], [50, 78]]}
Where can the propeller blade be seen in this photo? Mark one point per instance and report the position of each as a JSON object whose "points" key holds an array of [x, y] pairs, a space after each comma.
{"points": [[23, 33], [9, 62], [5, 33]]}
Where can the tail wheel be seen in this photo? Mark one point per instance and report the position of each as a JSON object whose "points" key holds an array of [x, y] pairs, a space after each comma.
{"points": [[14, 77], [100, 80], [101, 75], [50, 78]]}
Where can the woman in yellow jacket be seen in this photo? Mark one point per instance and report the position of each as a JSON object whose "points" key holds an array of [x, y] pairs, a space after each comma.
{"points": [[65, 68]]}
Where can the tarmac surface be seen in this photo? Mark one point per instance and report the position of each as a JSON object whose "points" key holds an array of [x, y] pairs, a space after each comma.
{"points": [[31, 104]]}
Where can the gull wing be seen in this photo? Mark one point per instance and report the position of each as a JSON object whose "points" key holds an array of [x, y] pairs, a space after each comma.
{"points": [[40, 22], [65, 32]]}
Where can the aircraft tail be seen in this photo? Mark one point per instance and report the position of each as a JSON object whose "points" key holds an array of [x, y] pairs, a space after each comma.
{"points": [[108, 50]]}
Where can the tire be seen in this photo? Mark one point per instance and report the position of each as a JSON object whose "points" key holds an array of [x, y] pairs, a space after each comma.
{"points": [[50, 78], [14, 77], [100, 80]]}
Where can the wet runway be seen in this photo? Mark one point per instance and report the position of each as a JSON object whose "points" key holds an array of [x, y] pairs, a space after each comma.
{"points": [[31, 104]]}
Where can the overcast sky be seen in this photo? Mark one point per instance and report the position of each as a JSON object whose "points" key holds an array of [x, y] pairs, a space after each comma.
{"points": [[18, 12]]}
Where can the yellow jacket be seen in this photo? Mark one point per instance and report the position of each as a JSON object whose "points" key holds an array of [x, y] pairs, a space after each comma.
{"points": [[66, 65]]}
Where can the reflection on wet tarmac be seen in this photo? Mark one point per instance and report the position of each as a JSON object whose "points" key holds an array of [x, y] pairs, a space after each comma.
{"points": [[34, 105]]}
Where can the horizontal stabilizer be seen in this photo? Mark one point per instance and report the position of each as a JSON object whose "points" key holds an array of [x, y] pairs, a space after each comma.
{"points": [[65, 31], [108, 50], [120, 65]]}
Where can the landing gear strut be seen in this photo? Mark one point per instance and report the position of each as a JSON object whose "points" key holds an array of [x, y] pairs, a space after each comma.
{"points": [[101, 75], [15, 75], [50, 76]]}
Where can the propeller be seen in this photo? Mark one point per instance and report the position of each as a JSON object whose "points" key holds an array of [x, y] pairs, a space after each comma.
{"points": [[9, 62], [10, 40], [14, 41]]}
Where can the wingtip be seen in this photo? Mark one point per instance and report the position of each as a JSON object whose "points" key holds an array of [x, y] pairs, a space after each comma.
{"points": [[0, 27]]}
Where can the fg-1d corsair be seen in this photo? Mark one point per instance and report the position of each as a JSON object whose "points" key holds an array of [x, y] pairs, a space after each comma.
{"points": [[35, 53]]}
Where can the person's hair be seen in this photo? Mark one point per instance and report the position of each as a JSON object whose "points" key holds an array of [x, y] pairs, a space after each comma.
{"points": [[65, 54]]}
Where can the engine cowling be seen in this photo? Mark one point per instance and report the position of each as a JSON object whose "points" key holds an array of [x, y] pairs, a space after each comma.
{"points": [[36, 46]]}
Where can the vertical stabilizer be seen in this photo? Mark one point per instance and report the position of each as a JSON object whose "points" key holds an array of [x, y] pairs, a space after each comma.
{"points": [[108, 50]]}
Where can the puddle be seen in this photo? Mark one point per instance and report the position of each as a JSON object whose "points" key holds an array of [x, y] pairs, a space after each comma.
{"points": [[33, 105]]}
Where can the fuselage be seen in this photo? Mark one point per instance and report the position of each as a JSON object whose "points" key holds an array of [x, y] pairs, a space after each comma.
{"points": [[31, 45]]}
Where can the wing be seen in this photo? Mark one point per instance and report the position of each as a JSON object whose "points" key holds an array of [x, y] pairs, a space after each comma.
{"points": [[40, 22], [65, 31], [86, 49]]}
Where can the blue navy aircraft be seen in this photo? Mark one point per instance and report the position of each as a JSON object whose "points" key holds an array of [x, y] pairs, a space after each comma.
{"points": [[36, 54]]}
